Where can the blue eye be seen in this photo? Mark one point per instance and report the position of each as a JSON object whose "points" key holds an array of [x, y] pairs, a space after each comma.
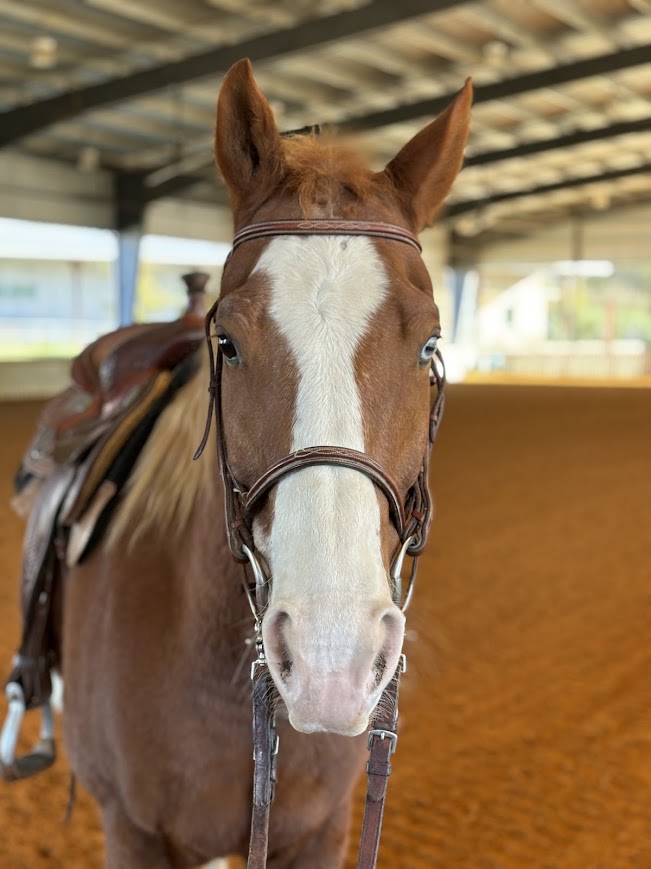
{"points": [[429, 349]]}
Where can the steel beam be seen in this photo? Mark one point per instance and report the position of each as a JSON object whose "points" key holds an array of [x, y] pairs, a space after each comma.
{"points": [[457, 208], [509, 87], [24, 120], [130, 198], [178, 183], [578, 137]]}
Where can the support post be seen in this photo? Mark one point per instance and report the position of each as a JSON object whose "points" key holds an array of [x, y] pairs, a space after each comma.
{"points": [[128, 261], [130, 202]]}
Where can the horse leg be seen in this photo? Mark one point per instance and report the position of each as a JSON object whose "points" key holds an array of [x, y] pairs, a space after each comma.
{"points": [[129, 847]]}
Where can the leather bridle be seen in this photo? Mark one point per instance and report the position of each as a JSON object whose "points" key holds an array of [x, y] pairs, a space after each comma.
{"points": [[411, 517]]}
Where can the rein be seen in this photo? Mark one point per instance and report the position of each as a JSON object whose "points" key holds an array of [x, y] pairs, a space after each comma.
{"points": [[411, 518]]}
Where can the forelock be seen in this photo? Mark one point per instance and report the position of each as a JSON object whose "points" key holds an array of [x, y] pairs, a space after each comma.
{"points": [[325, 173]]}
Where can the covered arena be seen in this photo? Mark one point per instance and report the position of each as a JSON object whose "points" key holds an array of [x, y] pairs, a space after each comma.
{"points": [[525, 718]]}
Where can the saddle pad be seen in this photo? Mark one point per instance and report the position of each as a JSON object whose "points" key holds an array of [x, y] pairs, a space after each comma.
{"points": [[105, 472], [95, 467]]}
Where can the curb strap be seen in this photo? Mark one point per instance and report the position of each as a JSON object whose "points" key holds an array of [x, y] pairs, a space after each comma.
{"points": [[382, 741]]}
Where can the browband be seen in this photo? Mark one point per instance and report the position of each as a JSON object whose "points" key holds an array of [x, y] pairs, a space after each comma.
{"points": [[374, 229]]}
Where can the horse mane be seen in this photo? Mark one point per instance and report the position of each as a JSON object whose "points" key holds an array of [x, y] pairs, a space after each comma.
{"points": [[329, 173], [165, 484]]}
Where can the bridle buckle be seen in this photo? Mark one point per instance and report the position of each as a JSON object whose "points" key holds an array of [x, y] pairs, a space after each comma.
{"points": [[383, 734]]}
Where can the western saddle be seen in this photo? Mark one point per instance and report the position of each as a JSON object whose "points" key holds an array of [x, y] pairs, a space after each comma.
{"points": [[86, 443]]}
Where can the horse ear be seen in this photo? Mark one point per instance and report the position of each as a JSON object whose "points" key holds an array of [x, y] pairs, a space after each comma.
{"points": [[247, 141], [422, 173]]}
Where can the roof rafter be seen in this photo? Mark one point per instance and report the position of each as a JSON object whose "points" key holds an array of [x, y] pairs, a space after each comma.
{"points": [[508, 87], [578, 137], [177, 183], [24, 120], [562, 74], [459, 208]]}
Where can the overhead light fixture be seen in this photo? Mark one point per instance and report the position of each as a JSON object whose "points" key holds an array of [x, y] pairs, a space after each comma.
{"points": [[43, 52]]}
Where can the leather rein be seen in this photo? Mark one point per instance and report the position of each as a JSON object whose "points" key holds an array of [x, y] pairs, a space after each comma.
{"points": [[411, 517]]}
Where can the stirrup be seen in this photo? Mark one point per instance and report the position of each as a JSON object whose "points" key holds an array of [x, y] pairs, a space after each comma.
{"points": [[41, 756]]}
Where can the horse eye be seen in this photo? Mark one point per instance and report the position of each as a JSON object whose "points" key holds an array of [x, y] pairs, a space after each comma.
{"points": [[428, 351], [228, 349]]}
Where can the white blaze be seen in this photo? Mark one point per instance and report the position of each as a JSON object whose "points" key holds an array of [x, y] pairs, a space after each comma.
{"points": [[324, 546]]}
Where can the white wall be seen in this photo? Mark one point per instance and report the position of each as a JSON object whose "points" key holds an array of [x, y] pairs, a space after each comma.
{"points": [[35, 379], [46, 190], [624, 233], [189, 220], [35, 189]]}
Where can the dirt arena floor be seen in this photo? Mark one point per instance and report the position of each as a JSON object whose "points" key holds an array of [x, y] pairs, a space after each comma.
{"points": [[526, 712]]}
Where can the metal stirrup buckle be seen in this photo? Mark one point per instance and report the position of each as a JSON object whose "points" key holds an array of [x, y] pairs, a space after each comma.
{"points": [[259, 662], [383, 734]]}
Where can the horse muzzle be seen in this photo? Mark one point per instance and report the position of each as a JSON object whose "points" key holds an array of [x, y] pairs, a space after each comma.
{"points": [[331, 667]]}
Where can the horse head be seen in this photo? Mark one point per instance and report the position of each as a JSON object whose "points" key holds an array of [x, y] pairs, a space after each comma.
{"points": [[327, 340]]}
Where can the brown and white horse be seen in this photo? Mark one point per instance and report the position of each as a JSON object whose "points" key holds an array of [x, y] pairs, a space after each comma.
{"points": [[326, 340]]}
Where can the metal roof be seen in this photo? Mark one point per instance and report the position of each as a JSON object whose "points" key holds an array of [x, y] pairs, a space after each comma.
{"points": [[562, 117]]}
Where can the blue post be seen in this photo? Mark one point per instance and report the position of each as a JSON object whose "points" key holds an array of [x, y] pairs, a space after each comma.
{"points": [[130, 201], [128, 261]]}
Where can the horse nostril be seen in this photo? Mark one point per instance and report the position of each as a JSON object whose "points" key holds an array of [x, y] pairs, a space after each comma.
{"points": [[387, 655], [277, 650], [379, 668], [393, 622]]}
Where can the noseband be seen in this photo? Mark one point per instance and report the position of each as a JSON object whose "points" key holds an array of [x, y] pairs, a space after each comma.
{"points": [[410, 515]]}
